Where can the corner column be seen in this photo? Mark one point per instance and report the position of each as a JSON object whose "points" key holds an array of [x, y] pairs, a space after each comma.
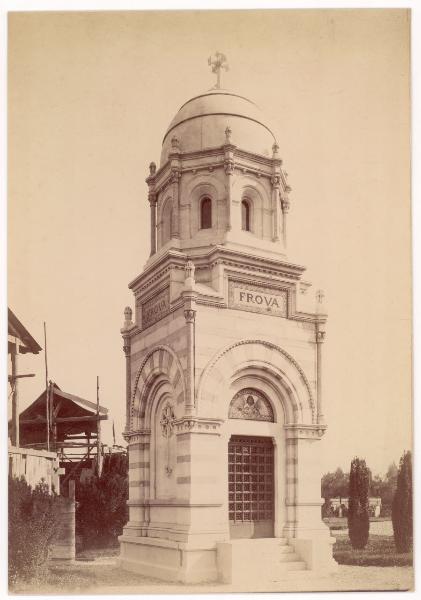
{"points": [[229, 166], [304, 527], [125, 331], [174, 157], [285, 209], [152, 203], [189, 297], [320, 338], [139, 443], [175, 182]]}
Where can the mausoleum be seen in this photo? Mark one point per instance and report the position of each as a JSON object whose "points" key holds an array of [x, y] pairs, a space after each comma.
{"points": [[223, 363]]}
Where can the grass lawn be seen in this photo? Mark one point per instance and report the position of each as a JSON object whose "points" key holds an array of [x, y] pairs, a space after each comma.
{"points": [[379, 552]]}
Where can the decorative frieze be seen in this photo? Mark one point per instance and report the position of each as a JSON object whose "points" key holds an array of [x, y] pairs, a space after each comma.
{"points": [[296, 431], [198, 425]]}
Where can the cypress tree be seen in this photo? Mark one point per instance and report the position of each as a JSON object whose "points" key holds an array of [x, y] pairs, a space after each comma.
{"points": [[402, 506], [358, 519]]}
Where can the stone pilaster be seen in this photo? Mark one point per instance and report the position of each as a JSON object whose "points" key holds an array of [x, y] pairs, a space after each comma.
{"points": [[189, 298], [139, 443], [229, 166], [276, 182], [125, 332], [285, 209], [175, 186], [152, 203], [320, 338]]}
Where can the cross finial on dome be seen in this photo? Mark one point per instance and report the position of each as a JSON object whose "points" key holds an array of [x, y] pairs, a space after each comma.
{"points": [[218, 63]]}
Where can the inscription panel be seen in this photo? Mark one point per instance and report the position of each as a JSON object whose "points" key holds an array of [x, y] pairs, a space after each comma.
{"points": [[154, 309], [257, 298]]}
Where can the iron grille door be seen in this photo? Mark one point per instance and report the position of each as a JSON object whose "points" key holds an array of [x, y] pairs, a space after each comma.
{"points": [[250, 480]]}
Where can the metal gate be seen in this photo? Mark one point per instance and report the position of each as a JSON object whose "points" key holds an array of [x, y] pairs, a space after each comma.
{"points": [[250, 487]]}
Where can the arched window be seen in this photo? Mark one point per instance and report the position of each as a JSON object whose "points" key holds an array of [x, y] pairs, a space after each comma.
{"points": [[206, 213], [245, 215]]}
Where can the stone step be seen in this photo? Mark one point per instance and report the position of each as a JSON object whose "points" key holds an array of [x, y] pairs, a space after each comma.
{"points": [[253, 560], [258, 542], [273, 572]]}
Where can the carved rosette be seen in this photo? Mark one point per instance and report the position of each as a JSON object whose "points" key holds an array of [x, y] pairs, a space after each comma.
{"points": [[251, 405], [167, 420]]}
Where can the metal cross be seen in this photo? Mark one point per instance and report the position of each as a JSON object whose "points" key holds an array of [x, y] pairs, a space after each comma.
{"points": [[218, 63]]}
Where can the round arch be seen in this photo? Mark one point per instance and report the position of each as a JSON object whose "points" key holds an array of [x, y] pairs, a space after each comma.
{"points": [[261, 362], [160, 366]]}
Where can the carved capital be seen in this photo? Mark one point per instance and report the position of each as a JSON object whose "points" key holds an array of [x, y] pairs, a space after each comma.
{"points": [[304, 432], [152, 169], [152, 198], [229, 166], [320, 336], [189, 269], [175, 175], [190, 315], [198, 425], [126, 350], [285, 203], [275, 180]]}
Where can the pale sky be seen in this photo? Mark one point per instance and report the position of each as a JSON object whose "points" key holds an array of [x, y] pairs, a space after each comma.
{"points": [[90, 98]]}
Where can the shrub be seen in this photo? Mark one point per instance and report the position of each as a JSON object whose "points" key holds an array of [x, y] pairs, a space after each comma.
{"points": [[358, 519], [402, 506], [101, 509], [33, 520]]}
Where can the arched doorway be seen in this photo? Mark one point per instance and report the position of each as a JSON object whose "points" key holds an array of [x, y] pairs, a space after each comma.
{"points": [[251, 466]]}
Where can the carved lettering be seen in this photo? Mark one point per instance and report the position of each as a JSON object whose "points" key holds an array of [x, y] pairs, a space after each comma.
{"points": [[257, 298], [154, 309]]}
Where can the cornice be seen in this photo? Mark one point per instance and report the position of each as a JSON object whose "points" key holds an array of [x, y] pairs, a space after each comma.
{"points": [[162, 177], [301, 431], [172, 258], [192, 424]]}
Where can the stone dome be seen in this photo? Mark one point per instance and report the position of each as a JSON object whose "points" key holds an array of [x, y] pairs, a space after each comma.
{"points": [[201, 122]]}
